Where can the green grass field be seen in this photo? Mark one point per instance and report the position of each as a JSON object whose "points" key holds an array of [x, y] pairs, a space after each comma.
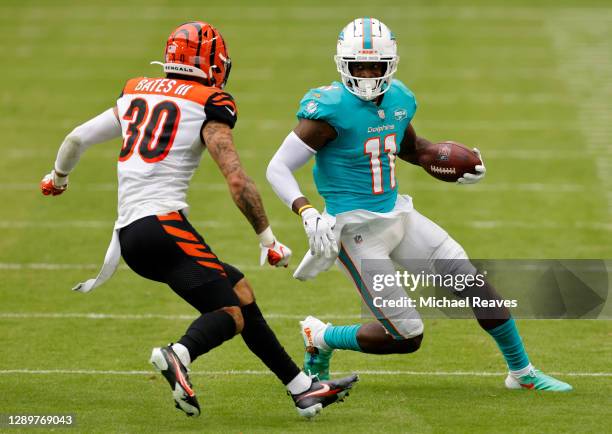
{"points": [[529, 84]]}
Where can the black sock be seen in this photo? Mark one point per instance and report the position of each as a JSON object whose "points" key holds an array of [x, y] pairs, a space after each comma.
{"points": [[207, 332], [488, 317], [263, 343]]}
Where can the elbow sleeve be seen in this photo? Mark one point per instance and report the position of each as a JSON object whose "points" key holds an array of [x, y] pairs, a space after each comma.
{"points": [[292, 155]]}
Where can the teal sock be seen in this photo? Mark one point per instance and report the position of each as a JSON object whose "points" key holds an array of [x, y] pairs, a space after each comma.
{"points": [[510, 343], [342, 337]]}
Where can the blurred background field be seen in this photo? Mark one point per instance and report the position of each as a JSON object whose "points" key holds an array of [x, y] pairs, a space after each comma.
{"points": [[529, 83]]}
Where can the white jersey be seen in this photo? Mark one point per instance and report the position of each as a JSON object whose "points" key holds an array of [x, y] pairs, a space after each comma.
{"points": [[161, 120]]}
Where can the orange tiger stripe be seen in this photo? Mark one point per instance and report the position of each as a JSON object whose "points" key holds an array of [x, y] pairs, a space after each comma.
{"points": [[212, 265], [180, 233], [170, 216], [194, 250]]}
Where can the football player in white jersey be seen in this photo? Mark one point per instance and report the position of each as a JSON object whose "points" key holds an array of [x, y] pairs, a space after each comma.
{"points": [[356, 129], [166, 123]]}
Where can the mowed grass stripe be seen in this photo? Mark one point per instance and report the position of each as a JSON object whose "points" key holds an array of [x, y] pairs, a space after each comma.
{"points": [[323, 11], [473, 224], [149, 316], [535, 187], [274, 124], [492, 153], [258, 372]]}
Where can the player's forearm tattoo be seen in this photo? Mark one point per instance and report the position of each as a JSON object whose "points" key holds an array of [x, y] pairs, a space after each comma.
{"points": [[218, 139]]}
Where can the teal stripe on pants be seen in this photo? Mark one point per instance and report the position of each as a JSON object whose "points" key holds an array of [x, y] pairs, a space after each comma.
{"points": [[346, 261]]}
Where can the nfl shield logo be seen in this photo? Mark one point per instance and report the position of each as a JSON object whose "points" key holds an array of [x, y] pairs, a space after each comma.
{"points": [[381, 113], [358, 239]]}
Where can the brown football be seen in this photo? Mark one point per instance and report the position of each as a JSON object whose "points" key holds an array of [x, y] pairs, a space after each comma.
{"points": [[448, 161]]}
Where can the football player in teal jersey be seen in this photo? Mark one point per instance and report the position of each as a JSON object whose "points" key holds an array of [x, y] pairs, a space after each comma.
{"points": [[356, 129]]}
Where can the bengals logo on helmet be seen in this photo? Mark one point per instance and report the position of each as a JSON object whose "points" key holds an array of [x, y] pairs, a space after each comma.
{"points": [[198, 49]]}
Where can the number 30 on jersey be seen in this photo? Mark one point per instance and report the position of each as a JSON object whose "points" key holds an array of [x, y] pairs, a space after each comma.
{"points": [[154, 139]]}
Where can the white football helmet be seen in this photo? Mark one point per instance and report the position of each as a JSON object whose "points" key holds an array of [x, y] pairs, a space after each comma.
{"points": [[366, 40]]}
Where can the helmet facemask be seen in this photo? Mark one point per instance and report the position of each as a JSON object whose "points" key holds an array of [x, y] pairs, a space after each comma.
{"points": [[366, 88]]}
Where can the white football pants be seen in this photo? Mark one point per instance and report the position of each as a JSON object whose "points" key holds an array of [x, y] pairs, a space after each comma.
{"points": [[409, 240]]}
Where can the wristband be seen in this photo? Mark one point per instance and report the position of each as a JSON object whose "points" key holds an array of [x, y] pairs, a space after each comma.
{"points": [[303, 208], [266, 238], [59, 180]]}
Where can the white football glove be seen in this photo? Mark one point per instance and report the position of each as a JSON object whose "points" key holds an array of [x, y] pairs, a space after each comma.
{"points": [[276, 254], [272, 251], [53, 184], [471, 178], [321, 238]]}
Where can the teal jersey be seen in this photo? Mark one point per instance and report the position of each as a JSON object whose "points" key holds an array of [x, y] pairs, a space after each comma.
{"points": [[357, 169]]}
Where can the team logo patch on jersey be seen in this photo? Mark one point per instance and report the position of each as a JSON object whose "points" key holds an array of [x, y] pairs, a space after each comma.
{"points": [[311, 107], [400, 114]]}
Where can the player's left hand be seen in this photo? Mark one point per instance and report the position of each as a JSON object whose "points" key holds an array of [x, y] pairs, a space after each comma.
{"points": [[277, 254], [53, 184], [481, 170]]}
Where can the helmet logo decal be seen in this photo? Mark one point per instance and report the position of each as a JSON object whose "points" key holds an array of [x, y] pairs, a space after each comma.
{"points": [[367, 34]]}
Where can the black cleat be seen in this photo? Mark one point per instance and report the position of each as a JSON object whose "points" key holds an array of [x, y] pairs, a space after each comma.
{"points": [[167, 362], [322, 393]]}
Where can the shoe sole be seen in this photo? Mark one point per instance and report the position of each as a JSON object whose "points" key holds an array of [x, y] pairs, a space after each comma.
{"points": [[310, 412]]}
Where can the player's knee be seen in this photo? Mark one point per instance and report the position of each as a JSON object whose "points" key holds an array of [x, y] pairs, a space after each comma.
{"points": [[409, 328], [451, 259], [449, 255], [236, 313], [244, 292]]}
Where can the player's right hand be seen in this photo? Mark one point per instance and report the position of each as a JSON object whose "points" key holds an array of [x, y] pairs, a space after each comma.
{"points": [[276, 254], [53, 184], [321, 238]]}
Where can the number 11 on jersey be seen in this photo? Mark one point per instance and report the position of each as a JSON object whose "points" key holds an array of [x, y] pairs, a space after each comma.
{"points": [[372, 147]]}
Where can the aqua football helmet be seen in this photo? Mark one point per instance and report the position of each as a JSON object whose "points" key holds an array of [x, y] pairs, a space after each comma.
{"points": [[366, 40]]}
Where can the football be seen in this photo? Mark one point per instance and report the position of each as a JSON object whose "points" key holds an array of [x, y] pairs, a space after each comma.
{"points": [[448, 161]]}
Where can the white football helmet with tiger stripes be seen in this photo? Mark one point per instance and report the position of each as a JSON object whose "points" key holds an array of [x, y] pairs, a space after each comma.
{"points": [[366, 40]]}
